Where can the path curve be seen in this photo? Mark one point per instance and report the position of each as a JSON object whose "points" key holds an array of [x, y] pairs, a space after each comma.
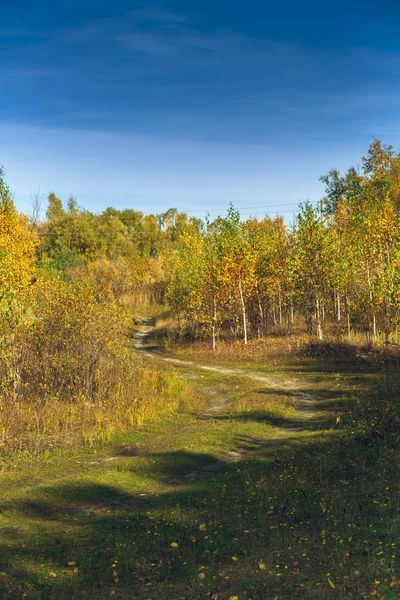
{"points": [[305, 402]]}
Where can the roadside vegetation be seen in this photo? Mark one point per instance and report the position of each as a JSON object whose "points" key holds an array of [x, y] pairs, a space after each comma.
{"points": [[264, 497], [248, 447], [68, 372], [336, 267]]}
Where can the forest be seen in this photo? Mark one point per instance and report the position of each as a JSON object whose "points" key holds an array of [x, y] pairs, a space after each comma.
{"points": [[242, 305], [70, 281]]}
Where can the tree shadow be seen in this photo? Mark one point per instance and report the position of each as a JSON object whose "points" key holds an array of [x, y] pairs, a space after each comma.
{"points": [[280, 492], [316, 409], [306, 479], [172, 467]]}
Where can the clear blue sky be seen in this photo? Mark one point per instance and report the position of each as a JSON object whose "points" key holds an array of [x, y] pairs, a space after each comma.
{"points": [[193, 104]]}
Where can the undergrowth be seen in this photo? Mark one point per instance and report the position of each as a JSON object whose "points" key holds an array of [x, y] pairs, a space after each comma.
{"points": [[69, 374], [310, 510]]}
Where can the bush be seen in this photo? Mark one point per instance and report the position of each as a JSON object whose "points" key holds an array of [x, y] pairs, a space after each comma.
{"points": [[68, 372]]}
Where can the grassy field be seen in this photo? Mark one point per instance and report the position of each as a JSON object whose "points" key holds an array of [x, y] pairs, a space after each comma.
{"points": [[279, 480]]}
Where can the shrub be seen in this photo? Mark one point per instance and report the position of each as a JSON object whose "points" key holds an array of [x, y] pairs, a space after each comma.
{"points": [[69, 373]]}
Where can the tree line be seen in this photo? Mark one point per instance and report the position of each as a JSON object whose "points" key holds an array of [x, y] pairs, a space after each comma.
{"points": [[68, 371], [336, 266]]}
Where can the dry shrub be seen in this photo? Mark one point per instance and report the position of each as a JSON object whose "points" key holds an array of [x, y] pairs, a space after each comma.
{"points": [[112, 278], [68, 372]]}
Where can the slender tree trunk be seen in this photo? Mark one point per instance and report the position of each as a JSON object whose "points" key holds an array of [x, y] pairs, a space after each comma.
{"points": [[274, 314], [339, 312], [370, 298], [243, 312], [348, 318], [318, 318], [291, 311], [260, 308], [179, 324], [214, 323], [280, 309]]}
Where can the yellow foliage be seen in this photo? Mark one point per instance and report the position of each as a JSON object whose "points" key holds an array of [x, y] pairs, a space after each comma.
{"points": [[17, 250]]}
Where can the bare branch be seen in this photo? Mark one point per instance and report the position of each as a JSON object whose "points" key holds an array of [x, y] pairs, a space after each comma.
{"points": [[36, 200]]}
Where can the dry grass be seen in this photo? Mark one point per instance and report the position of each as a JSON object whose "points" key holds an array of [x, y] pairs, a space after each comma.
{"points": [[144, 395], [69, 374], [311, 510]]}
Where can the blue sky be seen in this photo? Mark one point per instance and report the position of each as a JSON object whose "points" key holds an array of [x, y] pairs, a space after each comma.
{"points": [[193, 104]]}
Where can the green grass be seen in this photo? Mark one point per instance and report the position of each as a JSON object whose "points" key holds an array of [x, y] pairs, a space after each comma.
{"points": [[310, 510]]}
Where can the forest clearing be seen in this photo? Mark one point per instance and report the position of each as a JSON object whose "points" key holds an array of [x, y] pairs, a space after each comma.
{"points": [[194, 409], [199, 300], [271, 483]]}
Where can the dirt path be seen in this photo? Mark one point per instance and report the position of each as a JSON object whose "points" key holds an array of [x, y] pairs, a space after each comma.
{"points": [[305, 402]]}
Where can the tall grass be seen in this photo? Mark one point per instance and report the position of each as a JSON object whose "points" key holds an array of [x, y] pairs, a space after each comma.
{"points": [[68, 373], [142, 395]]}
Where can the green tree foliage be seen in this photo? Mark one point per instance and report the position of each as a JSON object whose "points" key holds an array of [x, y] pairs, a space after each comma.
{"points": [[186, 288], [67, 366], [312, 256], [337, 266], [237, 261]]}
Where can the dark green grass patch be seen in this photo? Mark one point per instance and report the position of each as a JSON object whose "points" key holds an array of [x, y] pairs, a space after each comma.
{"points": [[304, 521], [309, 510]]}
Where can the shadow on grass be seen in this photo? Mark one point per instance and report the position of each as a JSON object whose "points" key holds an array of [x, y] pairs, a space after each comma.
{"points": [[171, 467], [303, 501], [316, 409], [279, 504], [270, 418]]}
